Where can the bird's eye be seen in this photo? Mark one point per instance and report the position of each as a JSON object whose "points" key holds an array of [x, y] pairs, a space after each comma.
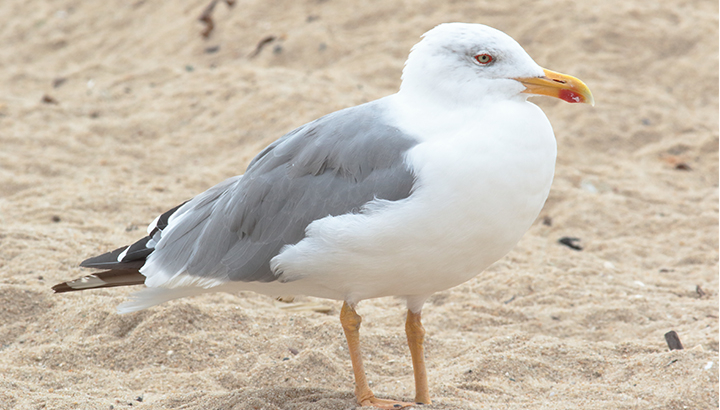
{"points": [[484, 59]]}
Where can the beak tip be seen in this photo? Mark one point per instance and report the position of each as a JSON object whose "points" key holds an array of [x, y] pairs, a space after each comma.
{"points": [[562, 86], [577, 95]]}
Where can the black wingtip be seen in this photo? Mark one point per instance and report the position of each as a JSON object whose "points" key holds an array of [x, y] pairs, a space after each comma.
{"points": [[109, 258], [133, 259]]}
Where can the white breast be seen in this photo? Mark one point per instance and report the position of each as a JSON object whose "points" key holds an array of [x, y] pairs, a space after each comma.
{"points": [[483, 177]]}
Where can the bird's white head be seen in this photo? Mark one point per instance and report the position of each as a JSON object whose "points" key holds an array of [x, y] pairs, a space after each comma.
{"points": [[464, 63]]}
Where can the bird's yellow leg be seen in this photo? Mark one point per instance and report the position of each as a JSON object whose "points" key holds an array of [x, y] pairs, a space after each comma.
{"points": [[415, 336], [351, 325]]}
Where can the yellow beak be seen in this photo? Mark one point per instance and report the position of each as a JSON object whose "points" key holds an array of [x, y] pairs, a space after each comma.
{"points": [[562, 86]]}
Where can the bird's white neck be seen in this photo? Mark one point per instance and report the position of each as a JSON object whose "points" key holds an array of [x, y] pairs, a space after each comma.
{"points": [[419, 114]]}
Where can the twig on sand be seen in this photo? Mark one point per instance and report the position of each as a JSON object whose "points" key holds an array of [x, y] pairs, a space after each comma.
{"points": [[206, 16], [261, 44]]}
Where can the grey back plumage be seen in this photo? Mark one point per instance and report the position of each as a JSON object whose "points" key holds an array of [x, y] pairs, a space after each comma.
{"points": [[328, 167]]}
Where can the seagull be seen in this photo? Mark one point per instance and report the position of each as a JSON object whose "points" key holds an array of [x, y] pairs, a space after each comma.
{"points": [[404, 196]]}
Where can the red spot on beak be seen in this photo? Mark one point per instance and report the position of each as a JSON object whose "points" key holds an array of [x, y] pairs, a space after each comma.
{"points": [[570, 96]]}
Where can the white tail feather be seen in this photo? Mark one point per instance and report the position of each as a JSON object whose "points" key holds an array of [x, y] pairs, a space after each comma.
{"points": [[154, 296]]}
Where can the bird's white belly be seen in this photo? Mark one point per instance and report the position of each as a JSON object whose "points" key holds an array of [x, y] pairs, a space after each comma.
{"points": [[474, 199]]}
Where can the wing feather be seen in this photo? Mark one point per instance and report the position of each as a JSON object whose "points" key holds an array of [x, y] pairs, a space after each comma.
{"points": [[329, 167]]}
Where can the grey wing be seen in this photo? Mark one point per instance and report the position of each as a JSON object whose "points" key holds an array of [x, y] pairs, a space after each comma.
{"points": [[331, 166]]}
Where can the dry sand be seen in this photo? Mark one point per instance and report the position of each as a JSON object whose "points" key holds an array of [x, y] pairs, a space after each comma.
{"points": [[142, 113]]}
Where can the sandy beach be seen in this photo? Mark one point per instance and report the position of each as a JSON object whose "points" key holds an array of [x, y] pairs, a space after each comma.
{"points": [[113, 112]]}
